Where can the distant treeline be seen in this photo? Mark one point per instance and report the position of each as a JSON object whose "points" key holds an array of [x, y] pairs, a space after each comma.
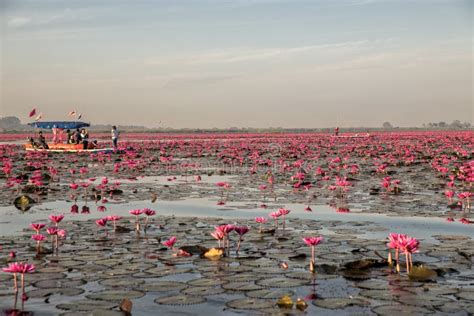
{"points": [[12, 124]]}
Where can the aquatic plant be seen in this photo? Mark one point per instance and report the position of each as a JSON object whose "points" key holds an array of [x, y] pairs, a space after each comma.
{"points": [[313, 242], [241, 231], [261, 221]]}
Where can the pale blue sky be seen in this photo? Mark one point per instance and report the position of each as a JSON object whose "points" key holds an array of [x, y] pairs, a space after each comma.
{"points": [[258, 63]]}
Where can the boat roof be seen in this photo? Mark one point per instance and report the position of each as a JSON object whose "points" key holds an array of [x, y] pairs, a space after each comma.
{"points": [[60, 124]]}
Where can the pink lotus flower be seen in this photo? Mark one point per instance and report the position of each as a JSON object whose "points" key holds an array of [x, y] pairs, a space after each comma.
{"points": [[219, 235], [38, 237], [261, 221], [284, 212], [62, 233], [74, 186], [52, 230], [226, 229], [114, 219], [85, 185], [275, 215], [312, 242], [37, 227], [343, 210], [170, 242], [149, 212], [22, 268], [101, 222], [74, 209], [241, 231], [449, 194], [405, 244], [56, 218], [466, 221], [101, 208], [85, 209], [136, 212]]}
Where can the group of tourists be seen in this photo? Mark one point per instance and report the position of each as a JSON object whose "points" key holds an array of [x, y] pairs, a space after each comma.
{"points": [[79, 137], [73, 137]]}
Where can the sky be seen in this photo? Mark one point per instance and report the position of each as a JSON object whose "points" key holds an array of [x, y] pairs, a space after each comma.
{"points": [[238, 63]]}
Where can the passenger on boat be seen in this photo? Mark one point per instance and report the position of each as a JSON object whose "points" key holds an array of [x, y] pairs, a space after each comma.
{"points": [[55, 134], [77, 136], [70, 139], [93, 144], [42, 141], [85, 138], [32, 142]]}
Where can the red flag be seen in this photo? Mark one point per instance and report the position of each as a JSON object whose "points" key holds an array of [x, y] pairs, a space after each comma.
{"points": [[33, 112]]}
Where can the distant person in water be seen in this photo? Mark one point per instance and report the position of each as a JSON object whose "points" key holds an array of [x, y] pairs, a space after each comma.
{"points": [[85, 138], [336, 131], [115, 136]]}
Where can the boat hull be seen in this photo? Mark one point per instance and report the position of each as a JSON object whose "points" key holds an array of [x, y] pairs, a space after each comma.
{"points": [[66, 148]]}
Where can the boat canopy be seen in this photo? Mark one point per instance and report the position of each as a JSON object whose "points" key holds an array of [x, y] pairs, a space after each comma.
{"points": [[60, 124]]}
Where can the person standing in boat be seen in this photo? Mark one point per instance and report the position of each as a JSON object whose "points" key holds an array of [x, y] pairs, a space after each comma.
{"points": [[55, 134], [115, 135], [336, 131], [85, 138]]}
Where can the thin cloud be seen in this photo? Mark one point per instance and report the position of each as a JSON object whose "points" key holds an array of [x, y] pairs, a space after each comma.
{"points": [[236, 55], [18, 22]]}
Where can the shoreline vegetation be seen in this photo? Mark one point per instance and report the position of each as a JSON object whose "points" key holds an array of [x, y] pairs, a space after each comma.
{"points": [[12, 125]]}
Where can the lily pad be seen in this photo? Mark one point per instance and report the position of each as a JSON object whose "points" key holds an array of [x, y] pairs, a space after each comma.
{"points": [[250, 304], [202, 291], [269, 294], [180, 300], [115, 295], [66, 291], [241, 286], [161, 286], [282, 282], [206, 282], [399, 309], [86, 305], [420, 273], [340, 302]]}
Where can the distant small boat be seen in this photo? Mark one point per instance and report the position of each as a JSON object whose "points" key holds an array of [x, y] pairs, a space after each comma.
{"points": [[62, 147], [71, 148], [367, 135]]}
